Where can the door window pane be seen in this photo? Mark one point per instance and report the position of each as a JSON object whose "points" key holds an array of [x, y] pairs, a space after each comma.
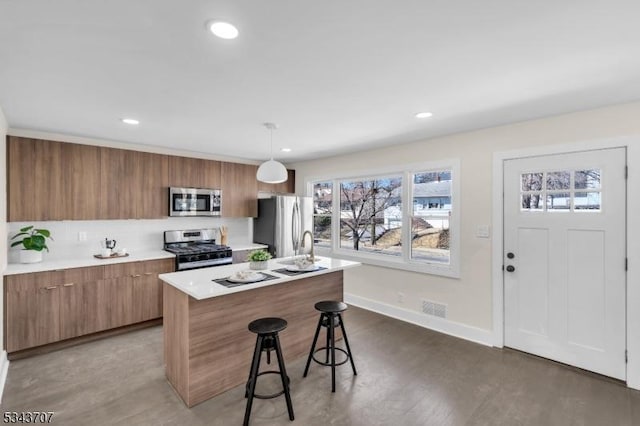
{"points": [[587, 201], [587, 179], [559, 201], [558, 180], [532, 181], [531, 202]]}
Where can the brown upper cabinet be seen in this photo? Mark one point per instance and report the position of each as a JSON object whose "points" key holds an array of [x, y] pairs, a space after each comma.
{"points": [[288, 187], [239, 190], [134, 184], [194, 173], [50, 180]]}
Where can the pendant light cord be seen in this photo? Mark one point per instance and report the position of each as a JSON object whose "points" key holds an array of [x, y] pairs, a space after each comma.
{"points": [[271, 133]]}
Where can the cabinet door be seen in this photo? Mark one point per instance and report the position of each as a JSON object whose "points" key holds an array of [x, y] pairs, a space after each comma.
{"points": [[287, 187], [32, 311], [81, 177], [36, 189], [147, 289], [239, 190], [119, 173], [153, 181], [82, 310], [194, 172], [20, 183]]}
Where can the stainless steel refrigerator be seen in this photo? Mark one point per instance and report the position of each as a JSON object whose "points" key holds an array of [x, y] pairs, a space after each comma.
{"points": [[281, 222]]}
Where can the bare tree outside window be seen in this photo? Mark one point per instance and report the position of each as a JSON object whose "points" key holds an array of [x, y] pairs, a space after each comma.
{"points": [[362, 213]]}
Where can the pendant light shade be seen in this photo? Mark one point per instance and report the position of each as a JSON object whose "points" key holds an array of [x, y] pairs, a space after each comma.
{"points": [[271, 171]]}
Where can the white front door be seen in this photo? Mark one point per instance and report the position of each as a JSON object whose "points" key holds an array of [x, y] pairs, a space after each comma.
{"points": [[564, 240]]}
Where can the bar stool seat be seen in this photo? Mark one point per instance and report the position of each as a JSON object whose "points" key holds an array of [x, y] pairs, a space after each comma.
{"points": [[330, 318], [267, 340]]}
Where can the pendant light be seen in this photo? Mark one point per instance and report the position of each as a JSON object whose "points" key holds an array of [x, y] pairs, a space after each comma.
{"points": [[271, 171]]}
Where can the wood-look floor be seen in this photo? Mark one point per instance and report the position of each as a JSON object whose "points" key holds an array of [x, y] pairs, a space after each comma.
{"points": [[407, 375]]}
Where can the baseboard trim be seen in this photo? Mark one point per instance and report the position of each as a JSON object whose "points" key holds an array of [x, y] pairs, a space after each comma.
{"points": [[455, 329], [4, 369]]}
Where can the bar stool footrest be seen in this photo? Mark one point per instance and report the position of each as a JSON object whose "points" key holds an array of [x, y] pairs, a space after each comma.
{"points": [[328, 364], [274, 395]]}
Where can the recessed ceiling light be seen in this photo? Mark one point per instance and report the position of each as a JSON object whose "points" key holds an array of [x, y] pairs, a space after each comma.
{"points": [[223, 30], [131, 121], [285, 149], [423, 115]]}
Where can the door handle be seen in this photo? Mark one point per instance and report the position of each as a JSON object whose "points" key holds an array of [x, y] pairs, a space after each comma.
{"points": [[510, 268]]}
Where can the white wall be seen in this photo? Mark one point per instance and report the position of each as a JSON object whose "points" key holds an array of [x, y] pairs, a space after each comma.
{"points": [[469, 298], [3, 242]]}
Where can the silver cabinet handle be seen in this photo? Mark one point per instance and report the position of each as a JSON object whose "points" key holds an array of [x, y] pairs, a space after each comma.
{"points": [[136, 276], [68, 284], [148, 273], [51, 287]]}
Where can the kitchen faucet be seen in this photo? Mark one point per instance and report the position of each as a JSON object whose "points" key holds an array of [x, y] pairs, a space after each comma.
{"points": [[311, 255]]}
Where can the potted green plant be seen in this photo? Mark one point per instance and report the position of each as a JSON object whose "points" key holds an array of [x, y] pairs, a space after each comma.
{"points": [[33, 242], [258, 259]]}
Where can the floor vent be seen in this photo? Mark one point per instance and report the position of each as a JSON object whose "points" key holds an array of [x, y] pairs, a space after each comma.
{"points": [[435, 309]]}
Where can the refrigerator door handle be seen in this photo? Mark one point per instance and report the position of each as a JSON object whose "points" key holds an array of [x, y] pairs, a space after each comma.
{"points": [[295, 227]]}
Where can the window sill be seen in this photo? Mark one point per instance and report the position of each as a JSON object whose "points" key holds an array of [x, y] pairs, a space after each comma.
{"points": [[432, 269]]}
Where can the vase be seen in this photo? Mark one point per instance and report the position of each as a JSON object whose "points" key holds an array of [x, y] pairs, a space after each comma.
{"points": [[30, 256], [258, 265]]}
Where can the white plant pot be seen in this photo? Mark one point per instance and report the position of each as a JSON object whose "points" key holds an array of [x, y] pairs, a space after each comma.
{"points": [[30, 256], [258, 265]]}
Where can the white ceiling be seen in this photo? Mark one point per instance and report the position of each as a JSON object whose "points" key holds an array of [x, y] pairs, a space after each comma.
{"points": [[335, 75]]}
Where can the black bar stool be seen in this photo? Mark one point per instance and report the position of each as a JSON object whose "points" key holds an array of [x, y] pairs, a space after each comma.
{"points": [[330, 317], [267, 330]]}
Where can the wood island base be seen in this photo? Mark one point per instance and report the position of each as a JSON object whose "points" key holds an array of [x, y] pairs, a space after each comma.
{"points": [[207, 346]]}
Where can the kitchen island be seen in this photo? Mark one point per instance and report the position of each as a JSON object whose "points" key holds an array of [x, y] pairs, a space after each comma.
{"points": [[207, 346]]}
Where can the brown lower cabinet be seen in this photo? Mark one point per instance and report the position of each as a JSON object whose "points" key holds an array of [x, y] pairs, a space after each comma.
{"points": [[47, 307]]}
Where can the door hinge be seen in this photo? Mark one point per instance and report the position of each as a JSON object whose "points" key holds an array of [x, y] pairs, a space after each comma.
{"points": [[626, 356], [626, 172], [626, 263]]}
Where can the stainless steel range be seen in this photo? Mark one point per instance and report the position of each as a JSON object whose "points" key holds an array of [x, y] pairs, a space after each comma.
{"points": [[196, 248]]}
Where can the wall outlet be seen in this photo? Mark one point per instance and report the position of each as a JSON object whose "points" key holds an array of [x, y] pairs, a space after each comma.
{"points": [[400, 297], [82, 236]]}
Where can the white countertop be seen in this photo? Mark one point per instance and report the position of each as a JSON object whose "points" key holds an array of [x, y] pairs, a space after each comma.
{"points": [[84, 260], [199, 284], [247, 246]]}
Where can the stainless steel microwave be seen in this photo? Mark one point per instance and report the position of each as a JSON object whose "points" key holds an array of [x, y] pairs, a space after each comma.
{"points": [[194, 202]]}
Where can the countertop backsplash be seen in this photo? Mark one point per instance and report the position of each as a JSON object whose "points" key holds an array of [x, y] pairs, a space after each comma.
{"points": [[134, 234]]}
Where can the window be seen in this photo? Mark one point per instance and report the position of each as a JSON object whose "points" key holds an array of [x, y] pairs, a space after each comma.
{"points": [[404, 218], [371, 215], [322, 202], [561, 191], [431, 215]]}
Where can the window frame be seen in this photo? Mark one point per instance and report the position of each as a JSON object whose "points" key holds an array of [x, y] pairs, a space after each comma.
{"points": [[403, 262]]}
